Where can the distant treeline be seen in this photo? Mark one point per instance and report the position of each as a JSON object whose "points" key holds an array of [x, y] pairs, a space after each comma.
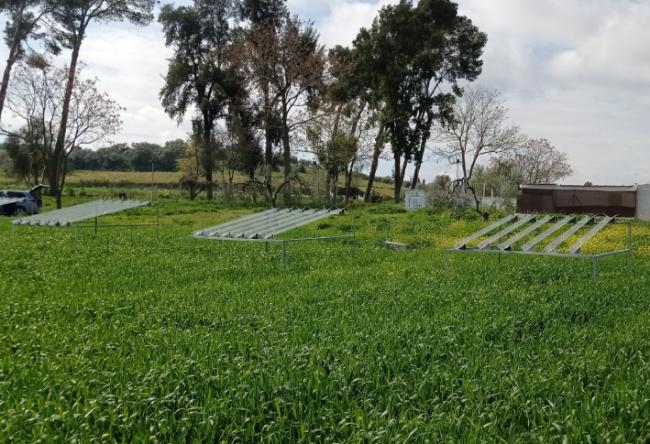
{"points": [[134, 157]]}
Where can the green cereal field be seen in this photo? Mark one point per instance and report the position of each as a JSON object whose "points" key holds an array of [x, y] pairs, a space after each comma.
{"points": [[145, 335]]}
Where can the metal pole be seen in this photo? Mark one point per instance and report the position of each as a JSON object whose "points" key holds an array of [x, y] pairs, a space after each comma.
{"points": [[152, 183], [354, 234], [284, 252], [594, 270], [96, 226], [629, 247]]}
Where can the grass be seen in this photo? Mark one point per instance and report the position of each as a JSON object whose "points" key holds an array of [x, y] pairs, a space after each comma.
{"points": [[145, 335]]}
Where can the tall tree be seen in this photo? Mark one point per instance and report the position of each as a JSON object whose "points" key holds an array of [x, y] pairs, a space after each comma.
{"points": [[23, 23], [200, 73], [285, 64], [301, 63], [36, 101], [258, 59], [71, 19], [480, 129], [338, 133], [407, 57], [451, 50]]}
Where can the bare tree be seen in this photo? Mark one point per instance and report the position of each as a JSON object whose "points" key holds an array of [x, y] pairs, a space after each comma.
{"points": [[284, 67], [36, 100], [480, 129], [540, 162]]}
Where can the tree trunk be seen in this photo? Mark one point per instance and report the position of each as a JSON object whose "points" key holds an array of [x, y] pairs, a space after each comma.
{"points": [[11, 59], [52, 179], [348, 180], [208, 158], [328, 185], [286, 148], [268, 167], [397, 176], [419, 155], [286, 153], [477, 203], [59, 148], [268, 149], [379, 145]]}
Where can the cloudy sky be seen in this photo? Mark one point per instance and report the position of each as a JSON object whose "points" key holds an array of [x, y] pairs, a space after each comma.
{"points": [[576, 72]]}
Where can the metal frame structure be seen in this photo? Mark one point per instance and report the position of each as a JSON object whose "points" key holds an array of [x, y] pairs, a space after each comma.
{"points": [[69, 216], [522, 225], [263, 227]]}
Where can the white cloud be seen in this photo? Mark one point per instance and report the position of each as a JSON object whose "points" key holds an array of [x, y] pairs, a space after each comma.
{"points": [[576, 72], [130, 63], [342, 24]]}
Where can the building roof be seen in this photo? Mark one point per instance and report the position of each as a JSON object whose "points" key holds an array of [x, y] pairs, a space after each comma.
{"points": [[554, 187]]}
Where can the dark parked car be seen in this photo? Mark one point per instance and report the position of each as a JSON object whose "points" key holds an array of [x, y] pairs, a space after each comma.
{"points": [[16, 203]]}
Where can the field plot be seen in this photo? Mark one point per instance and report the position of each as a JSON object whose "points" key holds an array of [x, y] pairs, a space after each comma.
{"points": [[135, 336]]}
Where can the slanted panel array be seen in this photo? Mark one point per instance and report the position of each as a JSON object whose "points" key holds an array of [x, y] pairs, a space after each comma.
{"points": [[265, 225], [69, 215], [487, 230], [523, 233], [567, 234], [505, 234], [575, 248], [528, 246], [487, 243]]}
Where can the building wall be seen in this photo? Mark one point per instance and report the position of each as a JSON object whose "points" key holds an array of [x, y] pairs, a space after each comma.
{"points": [[610, 203]]}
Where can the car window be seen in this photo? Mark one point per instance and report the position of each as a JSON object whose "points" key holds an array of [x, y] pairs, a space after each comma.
{"points": [[15, 194]]}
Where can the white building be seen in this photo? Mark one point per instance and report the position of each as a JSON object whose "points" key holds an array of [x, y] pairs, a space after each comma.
{"points": [[416, 199]]}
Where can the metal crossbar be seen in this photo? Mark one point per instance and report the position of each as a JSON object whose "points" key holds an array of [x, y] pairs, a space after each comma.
{"points": [[528, 246], [575, 248], [506, 231], [517, 237], [463, 244], [567, 234], [76, 213]]}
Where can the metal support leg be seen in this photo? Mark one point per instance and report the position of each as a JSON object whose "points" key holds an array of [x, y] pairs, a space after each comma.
{"points": [[96, 226], [354, 234], [629, 261], [594, 268], [629, 235]]}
